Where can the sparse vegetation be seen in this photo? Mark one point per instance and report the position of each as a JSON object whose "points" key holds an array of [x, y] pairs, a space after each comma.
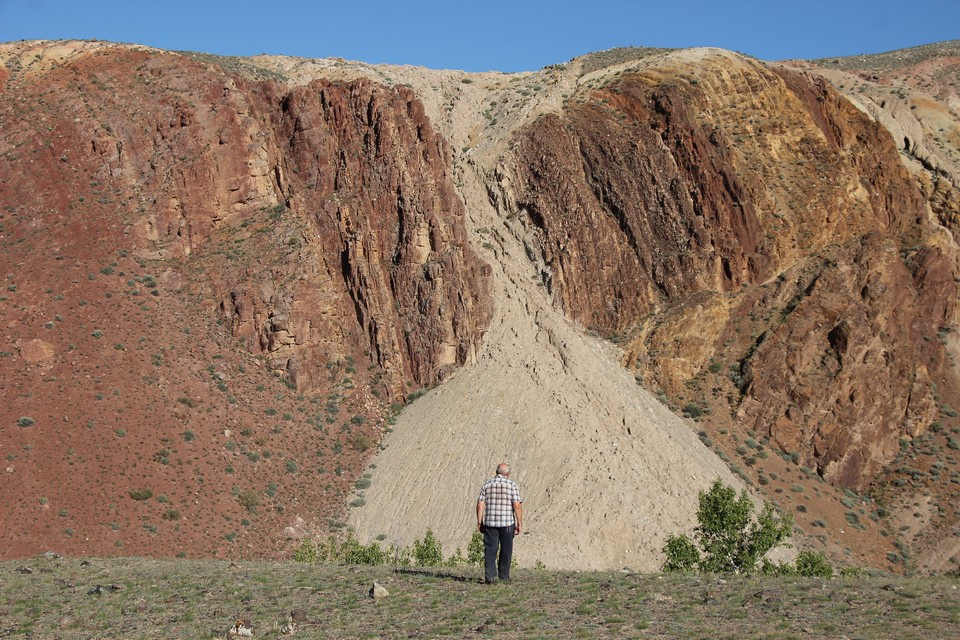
{"points": [[249, 500], [141, 494], [178, 597]]}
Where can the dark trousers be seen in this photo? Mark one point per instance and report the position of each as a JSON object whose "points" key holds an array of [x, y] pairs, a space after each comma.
{"points": [[494, 537]]}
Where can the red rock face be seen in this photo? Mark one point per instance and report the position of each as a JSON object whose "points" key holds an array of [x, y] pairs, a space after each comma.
{"points": [[754, 221], [194, 150], [386, 234], [167, 229]]}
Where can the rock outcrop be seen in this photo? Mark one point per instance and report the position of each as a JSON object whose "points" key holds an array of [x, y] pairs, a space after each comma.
{"points": [[233, 273], [177, 229], [378, 261], [721, 211]]}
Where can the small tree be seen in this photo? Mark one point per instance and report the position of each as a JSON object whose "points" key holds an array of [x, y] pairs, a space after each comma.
{"points": [[730, 541], [428, 553], [475, 550]]}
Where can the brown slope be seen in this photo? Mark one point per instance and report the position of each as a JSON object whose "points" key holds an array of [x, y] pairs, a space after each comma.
{"points": [[657, 188], [754, 241], [784, 178], [722, 217], [163, 222], [913, 94]]}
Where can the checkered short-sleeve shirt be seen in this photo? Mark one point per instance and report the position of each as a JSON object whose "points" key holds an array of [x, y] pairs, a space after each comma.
{"points": [[499, 494]]}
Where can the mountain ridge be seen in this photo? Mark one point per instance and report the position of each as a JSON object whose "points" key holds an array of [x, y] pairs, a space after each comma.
{"points": [[499, 127]]}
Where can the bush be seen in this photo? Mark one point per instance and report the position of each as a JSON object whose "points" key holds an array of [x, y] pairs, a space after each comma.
{"points": [[428, 553], [692, 410], [26, 421], [475, 550], [141, 494], [729, 540], [814, 564], [682, 555], [249, 500], [352, 552], [361, 442], [306, 552]]}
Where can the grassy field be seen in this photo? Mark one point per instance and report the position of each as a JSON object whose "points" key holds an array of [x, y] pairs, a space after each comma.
{"points": [[139, 598]]}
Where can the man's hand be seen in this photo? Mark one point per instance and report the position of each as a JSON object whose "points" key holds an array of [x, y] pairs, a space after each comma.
{"points": [[480, 527], [516, 529]]}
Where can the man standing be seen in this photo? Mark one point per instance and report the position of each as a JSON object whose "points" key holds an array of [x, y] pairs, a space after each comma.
{"points": [[499, 517]]}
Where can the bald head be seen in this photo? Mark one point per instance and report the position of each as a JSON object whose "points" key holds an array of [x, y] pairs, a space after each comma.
{"points": [[503, 469]]}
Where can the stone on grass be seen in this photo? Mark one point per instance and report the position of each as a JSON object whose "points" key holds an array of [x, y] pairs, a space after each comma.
{"points": [[378, 591], [298, 615]]}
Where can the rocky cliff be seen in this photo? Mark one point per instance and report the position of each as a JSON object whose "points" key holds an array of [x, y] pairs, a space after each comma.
{"points": [[317, 225], [225, 277], [722, 214]]}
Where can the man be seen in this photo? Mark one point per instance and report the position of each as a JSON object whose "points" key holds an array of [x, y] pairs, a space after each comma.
{"points": [[499, 518]]}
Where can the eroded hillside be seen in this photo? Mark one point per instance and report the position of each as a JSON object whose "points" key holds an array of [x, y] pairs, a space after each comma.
{"points": [[215, 287], [271, 254]]}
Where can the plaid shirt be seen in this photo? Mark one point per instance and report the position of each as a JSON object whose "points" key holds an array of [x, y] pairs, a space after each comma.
{"points": [[499, 494]]}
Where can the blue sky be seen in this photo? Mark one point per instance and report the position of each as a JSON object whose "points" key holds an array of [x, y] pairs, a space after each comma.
{"points": [[489, 35]]}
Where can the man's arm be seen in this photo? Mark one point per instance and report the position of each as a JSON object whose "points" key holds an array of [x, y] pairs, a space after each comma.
{"points": [[480, 508], [518, 514]]}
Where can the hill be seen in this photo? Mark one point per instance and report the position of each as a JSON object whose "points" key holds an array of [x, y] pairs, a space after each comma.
{"points": [[228, 278]]}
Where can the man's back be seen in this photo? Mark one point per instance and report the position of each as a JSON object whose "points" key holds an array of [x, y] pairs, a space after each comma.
{"points": [[499, 494]]}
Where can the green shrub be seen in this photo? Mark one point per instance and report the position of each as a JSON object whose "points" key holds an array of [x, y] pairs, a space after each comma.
{"points": [[352, 552], [26, 421], [682, 554], [141, 494], [692, 410], [456, 559], [475, 550], [729, 539], [428, 553], [814, 564], [306, 552]]}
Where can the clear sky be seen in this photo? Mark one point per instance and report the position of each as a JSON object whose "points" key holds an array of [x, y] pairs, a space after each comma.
{"points": [[478, 35]]}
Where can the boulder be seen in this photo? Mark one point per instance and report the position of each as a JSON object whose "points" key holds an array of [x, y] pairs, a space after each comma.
{"points": [[35, 351]]}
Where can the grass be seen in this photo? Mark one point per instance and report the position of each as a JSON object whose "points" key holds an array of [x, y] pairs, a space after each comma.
{"points": [[203, 598]]}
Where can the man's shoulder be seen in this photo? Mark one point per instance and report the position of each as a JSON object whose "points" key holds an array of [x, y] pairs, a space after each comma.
{"points": [[500, 480]]}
